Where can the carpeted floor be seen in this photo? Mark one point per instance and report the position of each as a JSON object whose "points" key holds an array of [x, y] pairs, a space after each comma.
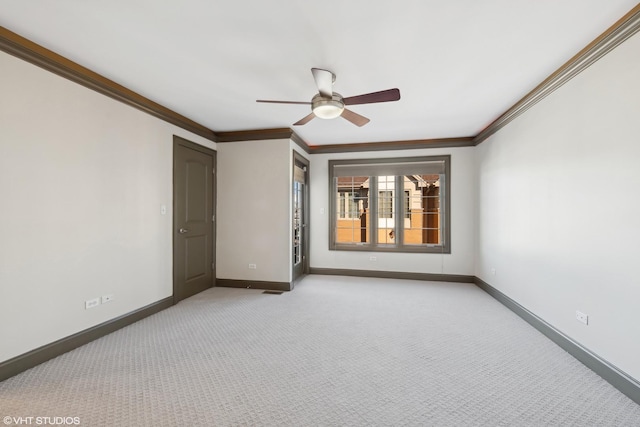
{"points": [[336, 351]]}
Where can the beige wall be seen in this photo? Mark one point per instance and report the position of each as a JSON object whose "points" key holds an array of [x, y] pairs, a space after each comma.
{"points": [[559, 208], [82, 180], [459, 261], [254, 210]]}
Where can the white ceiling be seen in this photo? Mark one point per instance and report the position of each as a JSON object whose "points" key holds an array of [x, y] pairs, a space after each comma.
{"points": [[459, 64]]}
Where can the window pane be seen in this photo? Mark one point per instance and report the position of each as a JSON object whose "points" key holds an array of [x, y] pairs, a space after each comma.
{"points": [[423, 223], [297, 222], [352, 221], [407, 204], [386, 220], [385, 204]]}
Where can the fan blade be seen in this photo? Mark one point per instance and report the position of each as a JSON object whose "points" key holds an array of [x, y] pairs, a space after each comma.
{"points": [[369, 98], [282, 102], [354, 118], [324, 81], [305, 120]]}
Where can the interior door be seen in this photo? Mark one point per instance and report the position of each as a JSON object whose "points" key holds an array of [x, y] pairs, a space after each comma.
{"points": [[300, 217], [193, 218]]}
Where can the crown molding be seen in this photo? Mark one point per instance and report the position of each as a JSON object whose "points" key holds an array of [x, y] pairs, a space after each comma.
{"points": [[301, 142], [29, 51], [263, 134], [286, 133], [624, 28], [393, 145], [254, 135]]}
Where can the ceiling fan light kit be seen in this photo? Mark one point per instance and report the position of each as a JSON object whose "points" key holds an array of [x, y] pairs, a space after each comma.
{"points": [[324, 108], [327, 104]]}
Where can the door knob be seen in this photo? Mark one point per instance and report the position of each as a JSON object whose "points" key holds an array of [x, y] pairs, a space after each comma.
{"points": [[183, 231]]}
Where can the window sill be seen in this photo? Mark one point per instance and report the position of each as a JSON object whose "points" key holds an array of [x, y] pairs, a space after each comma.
{"points": [[389, 248]]}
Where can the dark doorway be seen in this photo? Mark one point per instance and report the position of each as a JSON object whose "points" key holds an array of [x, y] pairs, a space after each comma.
{"points": [[193, 218]]}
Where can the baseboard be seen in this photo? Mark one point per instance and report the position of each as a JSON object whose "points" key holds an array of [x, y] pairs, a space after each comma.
{"points": [[616, 377], [393, 275], [254, 284], [40, 355]]}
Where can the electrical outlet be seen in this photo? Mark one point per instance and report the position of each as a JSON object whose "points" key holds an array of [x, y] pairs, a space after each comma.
{"points": [[90, 303], [107, 298], [252, 266], [493, 271], [373, 258], [582, 318]]}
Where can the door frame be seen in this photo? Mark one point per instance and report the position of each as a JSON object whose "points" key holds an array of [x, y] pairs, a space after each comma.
{"points": [[298, 158], [179, 141]]}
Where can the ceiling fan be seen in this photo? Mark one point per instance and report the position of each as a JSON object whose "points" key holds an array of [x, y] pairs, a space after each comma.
{"points": [[327, 104]]}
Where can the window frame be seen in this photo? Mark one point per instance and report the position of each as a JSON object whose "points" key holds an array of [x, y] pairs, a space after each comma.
{"points": [[398, 208]]}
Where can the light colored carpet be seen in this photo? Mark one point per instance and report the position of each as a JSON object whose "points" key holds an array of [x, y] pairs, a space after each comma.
{"points": [[335, 352]]}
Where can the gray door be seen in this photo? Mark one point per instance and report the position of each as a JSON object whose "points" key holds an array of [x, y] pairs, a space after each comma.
{"points": [[300, 217], [193, 218]]}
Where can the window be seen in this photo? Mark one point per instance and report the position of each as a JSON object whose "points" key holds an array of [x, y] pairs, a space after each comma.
{"points": [[407, 205], [348, 204], [395, 205], [352, 198], [385, 204]]}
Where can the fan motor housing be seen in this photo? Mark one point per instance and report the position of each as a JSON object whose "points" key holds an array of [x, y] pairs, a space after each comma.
{"points": [[327, 108]]}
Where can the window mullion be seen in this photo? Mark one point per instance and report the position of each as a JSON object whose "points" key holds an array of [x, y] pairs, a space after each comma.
{"points": [[373, 208], [398, 208]]}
